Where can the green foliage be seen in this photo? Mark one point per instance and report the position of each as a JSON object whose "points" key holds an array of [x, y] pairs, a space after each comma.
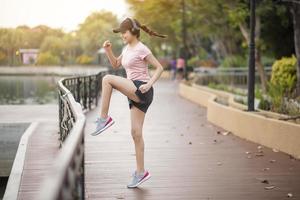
{"points": [[53, 44], [3, 57], [97, 28], [234, 61], [280, 88], [284, 74], [84, 60], [47, 58], [193, 62], [276, 91]]}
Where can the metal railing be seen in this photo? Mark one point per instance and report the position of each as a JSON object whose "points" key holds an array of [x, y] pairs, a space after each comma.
{"points": [[76, 94], [228, 76]]}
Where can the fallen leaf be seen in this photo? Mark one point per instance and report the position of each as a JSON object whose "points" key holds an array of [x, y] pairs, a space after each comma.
{"points": [[289, 195], [259, 154], [266, 169], [225, 133], [272, 161], [270, 187], [275, 150], [265, 181]]}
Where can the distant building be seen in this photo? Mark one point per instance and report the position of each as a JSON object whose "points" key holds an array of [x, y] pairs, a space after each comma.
{"points": [[29, 56]]}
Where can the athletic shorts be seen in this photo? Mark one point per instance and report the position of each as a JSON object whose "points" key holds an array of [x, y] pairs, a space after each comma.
{"points": [[146, 98]]}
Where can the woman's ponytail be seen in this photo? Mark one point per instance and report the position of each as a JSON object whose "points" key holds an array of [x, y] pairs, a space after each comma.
{"points": [[149, 31]]}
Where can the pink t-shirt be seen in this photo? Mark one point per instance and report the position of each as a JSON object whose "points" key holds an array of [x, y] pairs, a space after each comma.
{"points": [[133, 60]]}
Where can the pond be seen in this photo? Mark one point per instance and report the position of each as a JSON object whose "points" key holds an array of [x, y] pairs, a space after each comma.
{"points": [[16, 90]]}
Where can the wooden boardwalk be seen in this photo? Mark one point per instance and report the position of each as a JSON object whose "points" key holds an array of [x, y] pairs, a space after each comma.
{"points": [[185, 155], [43, 144]]}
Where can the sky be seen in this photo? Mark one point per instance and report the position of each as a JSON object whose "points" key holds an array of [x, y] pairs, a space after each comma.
{"points": [[65, 14]]}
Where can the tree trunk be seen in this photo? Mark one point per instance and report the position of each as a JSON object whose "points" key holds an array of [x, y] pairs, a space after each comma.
{"points": [[259, 65], [295, 9], [260, 69]]}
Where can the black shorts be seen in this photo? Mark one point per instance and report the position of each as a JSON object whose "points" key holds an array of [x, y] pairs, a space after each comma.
{"points": [[145, 98]]}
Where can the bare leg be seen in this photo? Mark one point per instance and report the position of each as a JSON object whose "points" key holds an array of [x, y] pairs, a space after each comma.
{"points": [[123, 85], [137, 121]]}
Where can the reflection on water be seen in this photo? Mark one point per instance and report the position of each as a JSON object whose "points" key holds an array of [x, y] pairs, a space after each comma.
{"points": [[28, 89]]}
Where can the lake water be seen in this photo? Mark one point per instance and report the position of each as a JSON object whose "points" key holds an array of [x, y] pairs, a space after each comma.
{"points": [[28, 89]]}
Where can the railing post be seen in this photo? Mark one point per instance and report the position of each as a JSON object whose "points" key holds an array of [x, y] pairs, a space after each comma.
{"points": [[78, 90], [90, 91]]}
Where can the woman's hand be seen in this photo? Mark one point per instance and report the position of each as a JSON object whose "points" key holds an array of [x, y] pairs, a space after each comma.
{"points": [[145, 87], [107, 45]]}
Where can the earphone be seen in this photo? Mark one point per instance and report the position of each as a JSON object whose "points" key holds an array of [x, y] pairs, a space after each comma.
{"points": [[135, 26]]}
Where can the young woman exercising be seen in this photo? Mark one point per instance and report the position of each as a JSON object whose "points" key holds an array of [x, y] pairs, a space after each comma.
{"points": [[135, 58]]}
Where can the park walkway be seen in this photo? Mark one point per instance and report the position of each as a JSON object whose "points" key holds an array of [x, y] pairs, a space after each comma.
{"points": [[188, 157], [42, 147]]}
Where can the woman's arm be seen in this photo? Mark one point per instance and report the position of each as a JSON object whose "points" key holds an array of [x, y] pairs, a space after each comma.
{"points": [[158, 71], [159, 68], [115, 62]]}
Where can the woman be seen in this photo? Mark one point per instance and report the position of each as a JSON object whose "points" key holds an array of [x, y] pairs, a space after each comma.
{"points": [[135, 58]]}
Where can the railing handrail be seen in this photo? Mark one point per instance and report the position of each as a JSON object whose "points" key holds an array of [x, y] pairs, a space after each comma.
{"points": [[66, 178], [230, 70], [50, 188]]}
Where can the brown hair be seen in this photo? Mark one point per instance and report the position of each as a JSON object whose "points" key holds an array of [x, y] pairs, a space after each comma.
{"points": [[147, 30]]}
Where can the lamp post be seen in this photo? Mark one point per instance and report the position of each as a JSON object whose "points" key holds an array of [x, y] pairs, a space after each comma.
{"points": [[183, 29], [251, 64]]}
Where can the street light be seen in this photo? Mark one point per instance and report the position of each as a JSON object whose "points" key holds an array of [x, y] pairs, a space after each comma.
{"points": [[251, 64], [183, 29]]}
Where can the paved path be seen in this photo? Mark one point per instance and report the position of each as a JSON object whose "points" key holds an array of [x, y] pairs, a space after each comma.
{"points": [[186, 156], [43, 144]]}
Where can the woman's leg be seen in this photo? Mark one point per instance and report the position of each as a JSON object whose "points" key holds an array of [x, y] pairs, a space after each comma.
{"points": [[121, 84], [137, 121]]}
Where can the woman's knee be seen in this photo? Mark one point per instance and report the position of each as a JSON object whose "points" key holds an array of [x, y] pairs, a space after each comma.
{"points": [[136, 133], [107, 78]]}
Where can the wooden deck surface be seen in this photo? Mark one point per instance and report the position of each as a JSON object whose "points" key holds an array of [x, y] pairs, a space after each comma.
{"points": [[185, 155], [43, 144]]}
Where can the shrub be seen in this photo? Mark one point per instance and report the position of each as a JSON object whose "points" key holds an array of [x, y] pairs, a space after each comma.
{"points": [[284, 73], [84, 60], [46, 58], [3, 57], [234, 61]]}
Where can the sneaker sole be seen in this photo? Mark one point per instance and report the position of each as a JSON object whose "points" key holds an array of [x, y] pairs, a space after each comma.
{"points": [[146, 178], [101, 130]]}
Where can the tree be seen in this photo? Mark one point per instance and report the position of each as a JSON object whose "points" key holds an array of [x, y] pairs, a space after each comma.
{"points": [[295, 9], [96, 28]]}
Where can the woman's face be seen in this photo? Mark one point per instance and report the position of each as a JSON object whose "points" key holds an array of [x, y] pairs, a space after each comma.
{"points": [[127, 36]]}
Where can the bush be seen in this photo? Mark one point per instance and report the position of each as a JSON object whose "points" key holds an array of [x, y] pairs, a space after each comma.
{"points": [[3, 57], [284, 74], [46, 58], [84, 60], [234, 61]]}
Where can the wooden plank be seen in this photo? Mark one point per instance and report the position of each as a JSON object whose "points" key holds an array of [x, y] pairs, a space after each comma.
{"points": [[213, 166]]}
